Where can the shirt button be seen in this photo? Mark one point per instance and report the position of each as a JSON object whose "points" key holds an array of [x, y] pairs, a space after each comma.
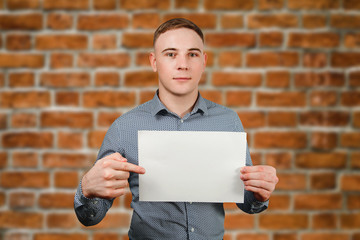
{"points": [[181, 120], [92, 215], [190, 202], [192, 229]]}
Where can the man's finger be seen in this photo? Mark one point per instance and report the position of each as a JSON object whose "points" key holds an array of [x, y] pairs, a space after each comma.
{"points": [[258, 168], [128, 167], [258, 176]]}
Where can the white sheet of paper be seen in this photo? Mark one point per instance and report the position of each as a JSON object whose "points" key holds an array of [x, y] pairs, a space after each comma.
{"points": [[186, 166]]}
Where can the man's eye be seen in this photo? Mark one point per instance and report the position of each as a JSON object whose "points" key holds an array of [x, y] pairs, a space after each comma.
{"points": [[193, 54], [170, 54]]}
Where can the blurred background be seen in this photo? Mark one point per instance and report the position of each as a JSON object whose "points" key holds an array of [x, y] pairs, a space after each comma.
{"points": [[290, 68]]}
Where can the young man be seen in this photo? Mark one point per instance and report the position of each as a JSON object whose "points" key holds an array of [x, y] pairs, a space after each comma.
{"points": [[180, 60]]}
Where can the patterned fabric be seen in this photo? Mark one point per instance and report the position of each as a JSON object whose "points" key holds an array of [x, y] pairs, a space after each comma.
{"points": [[165, 220]]}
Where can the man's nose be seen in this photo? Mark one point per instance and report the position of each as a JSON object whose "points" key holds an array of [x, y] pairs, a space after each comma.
{"points": [[182, 63]]}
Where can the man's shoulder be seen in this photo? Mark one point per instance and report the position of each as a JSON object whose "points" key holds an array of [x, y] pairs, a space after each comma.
{"points": [[215, 108], [138, 111]]}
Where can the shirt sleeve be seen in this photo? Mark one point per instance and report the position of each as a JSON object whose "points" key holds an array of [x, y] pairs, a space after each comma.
{"points": [[91, 211], [251, 204]]}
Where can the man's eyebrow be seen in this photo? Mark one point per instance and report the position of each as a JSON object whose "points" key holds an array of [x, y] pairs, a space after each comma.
{"points": [[168, 49], [195, 49]]}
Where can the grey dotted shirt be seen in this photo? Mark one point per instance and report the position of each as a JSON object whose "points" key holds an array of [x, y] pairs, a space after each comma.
{"points": [[165, 220]]}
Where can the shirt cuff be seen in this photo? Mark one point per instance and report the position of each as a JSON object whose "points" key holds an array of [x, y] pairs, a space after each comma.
{"points": [[258, 206]]}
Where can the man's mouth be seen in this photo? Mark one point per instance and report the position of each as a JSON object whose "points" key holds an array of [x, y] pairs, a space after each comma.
{"points": [[182, 78]]}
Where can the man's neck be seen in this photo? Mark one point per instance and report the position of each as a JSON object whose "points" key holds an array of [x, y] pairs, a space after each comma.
{"points": [[181, 105]]}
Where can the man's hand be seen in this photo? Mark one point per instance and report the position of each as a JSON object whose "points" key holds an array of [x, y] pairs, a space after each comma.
{"points": [[260, 180], [108, 178]]}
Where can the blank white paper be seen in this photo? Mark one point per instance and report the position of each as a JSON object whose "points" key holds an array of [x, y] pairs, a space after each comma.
{"points": [[191, 166]]}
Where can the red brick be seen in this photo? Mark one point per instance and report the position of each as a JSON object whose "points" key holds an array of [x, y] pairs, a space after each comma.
{"points": [[281, 20], [314, 40], [102, 22], [19, 120], [324, 236], [352, 40], [321, 160], [350, 221], [272, 59], [238, 221], [24, 99], [203, 20], [70, 79], [345, 59], [27, 140], [229, 5], [321, 181], [21, 79], [282, 119], [350, 99], [145, 4], [25, 159], [230, 58], [23, 220], [350, 139], [113, 220], [67, 42], [105, 119], [271, 39], [104, 4], [280, 160], [21, 60], [25, 179], [3, 160], [232, 21], [351, 4], [108, 99], [323, 98], [293, 140], [353, 201], [66, 179], [61, 220], [252, 236], [146, 96], [2, 199], [26, 21], [324, 118], [244, 79], [285, 236], [61, 60], [60, 236], [283, 99], [323, 140], [190, 4], [270, 4], [22, 4], [315, 59], [238, 98], [291, 181], [278, 79], [16, 42], [142, 59], [106, 236], [67, 119], [311, 5], [279, 202], [22, 199], [317, 201], [1, 74], [283, 221], [66, 4], [355, 160], [137, 40], [324, 221], [343, 21], [67, 160], [312, 79], [252, 119], [70, 140], [95, 138], [141, 79], [92, 60], [350, 182], [354, 79], [104, 41], [67, 98], [229, 39], [212, 95], [56, 200], [59, 21], [314, 21], [107, 79]]}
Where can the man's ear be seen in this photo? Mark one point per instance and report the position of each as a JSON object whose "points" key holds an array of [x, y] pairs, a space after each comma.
{"points": [[205, 59], [153, 61]]}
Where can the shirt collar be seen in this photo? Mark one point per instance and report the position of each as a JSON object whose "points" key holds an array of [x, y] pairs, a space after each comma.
{"points": [[158, 106]]}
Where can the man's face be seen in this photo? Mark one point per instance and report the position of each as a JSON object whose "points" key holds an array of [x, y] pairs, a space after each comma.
{"points": [[180, 60]]}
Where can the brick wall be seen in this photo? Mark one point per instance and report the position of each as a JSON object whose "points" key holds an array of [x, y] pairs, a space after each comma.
{"points": [[290, 68]]}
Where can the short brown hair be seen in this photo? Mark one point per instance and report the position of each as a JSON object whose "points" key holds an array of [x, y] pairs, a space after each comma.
{"points": [[176, 23]]}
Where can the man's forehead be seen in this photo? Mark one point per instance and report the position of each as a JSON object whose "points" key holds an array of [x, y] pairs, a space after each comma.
{"points": [[180, 39]]}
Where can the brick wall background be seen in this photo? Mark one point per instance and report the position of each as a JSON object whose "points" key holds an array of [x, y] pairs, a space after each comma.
{"points": [[290, 68]]}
